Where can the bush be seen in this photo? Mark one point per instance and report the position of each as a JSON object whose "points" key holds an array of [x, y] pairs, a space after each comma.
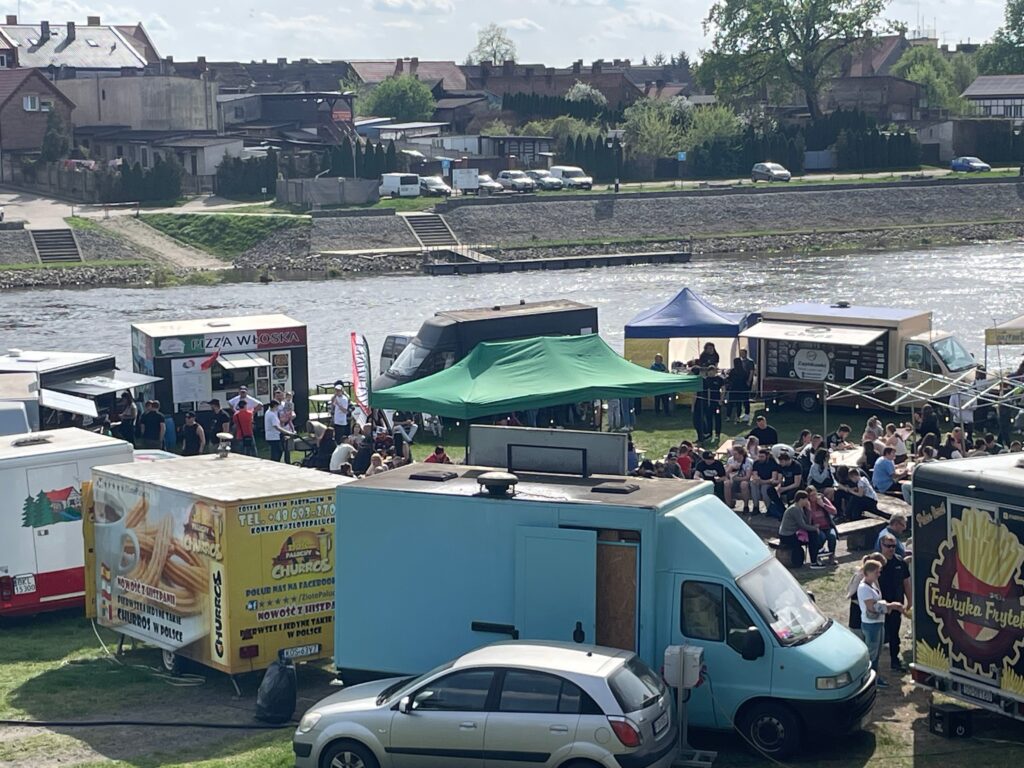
{"points": [[236, 176]]}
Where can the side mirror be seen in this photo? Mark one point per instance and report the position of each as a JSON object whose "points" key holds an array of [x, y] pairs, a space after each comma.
{"points": [[405, 705], [749, 642]]}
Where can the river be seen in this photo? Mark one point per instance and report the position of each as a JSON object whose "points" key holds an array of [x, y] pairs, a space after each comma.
{"points": [[967, 288]]}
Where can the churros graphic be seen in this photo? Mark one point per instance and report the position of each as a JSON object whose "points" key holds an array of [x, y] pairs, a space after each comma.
{"points": [[1011, 682]]}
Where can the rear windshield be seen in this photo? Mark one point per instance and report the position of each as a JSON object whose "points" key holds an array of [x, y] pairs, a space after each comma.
{"points": [[636, 686]]}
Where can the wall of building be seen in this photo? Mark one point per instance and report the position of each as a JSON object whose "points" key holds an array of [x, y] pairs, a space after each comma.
{"points": [[159, 103], [22, 131]]}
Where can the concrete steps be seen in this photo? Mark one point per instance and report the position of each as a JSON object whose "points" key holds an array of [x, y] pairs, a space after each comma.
{"points": [[430, 230], [55, 246]]}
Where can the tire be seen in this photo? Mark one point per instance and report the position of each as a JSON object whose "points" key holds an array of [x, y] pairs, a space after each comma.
{"points": [[348, 754], [771, 729], [807, 402], [172, 663], [580, 764]]}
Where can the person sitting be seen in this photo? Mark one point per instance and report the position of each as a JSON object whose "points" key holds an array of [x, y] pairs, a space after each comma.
{"points": [[819, 476], [711, 469], [863, 497], [377, 465], [823, 514], [646, 469], [795, 520], [893, 440], [761, 476], [928, 441], [632, 458], [951, 450], [685, 457], [886, 477], [787, 479], [979, 448], [438, 456], [839, 440], [325, 446], [871, 455], [737, 478], [672, 467]]}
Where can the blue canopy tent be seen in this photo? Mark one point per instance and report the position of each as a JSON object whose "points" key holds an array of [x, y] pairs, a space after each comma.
{"points": [[678, 329]]}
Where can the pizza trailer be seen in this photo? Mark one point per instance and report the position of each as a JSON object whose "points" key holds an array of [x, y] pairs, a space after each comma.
{"points": [[227, 561], [198, 360], [41, 474], [803, 347], [968, 582]]}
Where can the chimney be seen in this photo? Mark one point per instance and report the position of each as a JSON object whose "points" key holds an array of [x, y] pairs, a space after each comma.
{"points": [[201, 63], [12, 20], [399, 66], [626, 63], [414, 64], [577, 67], [71, 31], [507, 67], [616, 62], [659, 84], [282, 61], [169, 59], [485, 69], [44, 31], [529, 73], [92, 21], [595, 68]]}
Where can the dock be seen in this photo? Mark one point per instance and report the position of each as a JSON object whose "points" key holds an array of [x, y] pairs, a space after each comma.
{"points": [[557, 262]]}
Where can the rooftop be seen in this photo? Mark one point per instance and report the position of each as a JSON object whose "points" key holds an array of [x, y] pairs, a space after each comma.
{"points": [[93, 47], [200, 141], [560, 657], [218, 325], [373, 71], [992, 86], [865, 314], [510, 310], [29, 361], [54, 441]]}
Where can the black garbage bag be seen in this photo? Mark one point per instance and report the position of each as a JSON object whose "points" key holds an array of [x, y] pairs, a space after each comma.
{"points": [[276, 698]]}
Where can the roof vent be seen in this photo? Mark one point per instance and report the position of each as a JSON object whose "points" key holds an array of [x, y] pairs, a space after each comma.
{"points": [[616, 488], [498, 484], [224, 445], [841, 305], [14, 353], [219, 324], [25, 442], [434, 475]]}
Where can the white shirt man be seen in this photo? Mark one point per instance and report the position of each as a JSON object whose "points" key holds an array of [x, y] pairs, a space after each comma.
{"points": [[243, 394], [272, 425], [339, 411], [342, 455]]}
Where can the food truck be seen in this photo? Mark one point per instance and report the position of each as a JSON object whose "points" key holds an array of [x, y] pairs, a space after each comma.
{"points": [[436, 560], [199, 360], [41, 474], [224, 560], [804, 346], [968, 582]]}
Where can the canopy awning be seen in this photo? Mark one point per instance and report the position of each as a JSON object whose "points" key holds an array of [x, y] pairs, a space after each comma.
{"points": [[501, 377], [845, 336], [1010, 333], [685, 315], [103, 383], [242, 360], [59, 401]]}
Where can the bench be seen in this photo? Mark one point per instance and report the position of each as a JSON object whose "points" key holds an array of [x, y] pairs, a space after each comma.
{"points": [[861, 534]]}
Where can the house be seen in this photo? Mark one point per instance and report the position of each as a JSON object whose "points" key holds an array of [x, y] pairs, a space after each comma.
{"points": [[997, 96], [64, 500], [281, 76], [885, 98], [528, 151], [309, 118], [874, 56], [459, 111], [152, 103], [67, 51], [26, 99], [439, 76]]}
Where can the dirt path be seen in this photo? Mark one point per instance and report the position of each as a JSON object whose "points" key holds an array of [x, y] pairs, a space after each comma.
{"points": [[160, 247]]}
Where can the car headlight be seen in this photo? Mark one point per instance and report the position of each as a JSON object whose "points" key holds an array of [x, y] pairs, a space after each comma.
{"points": [[309, 721], [827, 683]]}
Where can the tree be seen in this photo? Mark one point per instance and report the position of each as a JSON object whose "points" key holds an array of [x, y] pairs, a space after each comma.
{"points": [[584, 92], [404, 98], [56, 143], [492, 44], [496, 128], [346, 164], [659, 59], [799, 42], [655, 127], [927, 66], [1005, 54], [391, 158], [560, 128], [711, 124], [965, 71]]}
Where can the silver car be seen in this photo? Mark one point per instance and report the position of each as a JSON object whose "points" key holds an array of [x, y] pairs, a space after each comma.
{"points": [[544, 180], [554, 705], [517, 181]]}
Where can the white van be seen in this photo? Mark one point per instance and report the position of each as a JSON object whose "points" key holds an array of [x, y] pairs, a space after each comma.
{"points": [[399, 185], [572, 176]]}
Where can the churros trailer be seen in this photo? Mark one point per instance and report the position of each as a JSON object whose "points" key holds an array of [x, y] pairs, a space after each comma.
{"points": [[968, 581], [225, 561]]}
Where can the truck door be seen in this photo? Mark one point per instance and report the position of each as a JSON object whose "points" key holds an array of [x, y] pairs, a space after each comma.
{"points": [[57, 529], [556, 584], [710, 614]]}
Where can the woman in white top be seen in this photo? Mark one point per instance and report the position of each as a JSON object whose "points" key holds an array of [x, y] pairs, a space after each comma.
{"points": [[893, 440], [872, 612]]}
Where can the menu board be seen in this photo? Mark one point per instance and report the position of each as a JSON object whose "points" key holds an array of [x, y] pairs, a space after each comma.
{"points": [[813, 361]]}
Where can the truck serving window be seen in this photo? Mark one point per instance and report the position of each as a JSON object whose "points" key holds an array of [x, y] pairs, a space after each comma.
{"points": [[783, 604], [953, 354]]}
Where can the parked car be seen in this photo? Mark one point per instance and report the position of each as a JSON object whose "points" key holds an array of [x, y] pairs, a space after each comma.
{"points": [[969, 165], [769, 172], [1, 213], [572, 176], [544, 180], [517, 181], [399, 185], [486, 184], [434, 186], [522, 702]]}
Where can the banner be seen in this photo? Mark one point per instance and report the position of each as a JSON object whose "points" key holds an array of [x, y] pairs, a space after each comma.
{"points": [[360, 371]]}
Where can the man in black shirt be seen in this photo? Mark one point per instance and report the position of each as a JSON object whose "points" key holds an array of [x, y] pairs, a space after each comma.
{"points": [[894, 583], [711, 469], [761, 478], [713, 384], [838, 440], [766, 436], [788, 478], [219, 422], [153, 426]]}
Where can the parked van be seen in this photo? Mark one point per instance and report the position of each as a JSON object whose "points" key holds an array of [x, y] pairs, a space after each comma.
{"points": [[572, 176], [471, 557], [399, 185]]}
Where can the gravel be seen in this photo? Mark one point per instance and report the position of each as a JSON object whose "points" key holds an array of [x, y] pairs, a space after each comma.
{"points": [[16, 247], [361, 233], [96, 246]]}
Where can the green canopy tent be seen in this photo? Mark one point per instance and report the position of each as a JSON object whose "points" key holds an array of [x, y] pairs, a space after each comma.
{"points": [[506, 376]]}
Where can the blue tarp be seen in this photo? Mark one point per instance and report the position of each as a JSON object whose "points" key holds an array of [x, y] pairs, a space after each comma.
{"points": [[687, 315]]}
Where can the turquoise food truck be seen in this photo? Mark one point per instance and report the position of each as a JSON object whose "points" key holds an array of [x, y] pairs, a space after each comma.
{"points": [[435, 560]]}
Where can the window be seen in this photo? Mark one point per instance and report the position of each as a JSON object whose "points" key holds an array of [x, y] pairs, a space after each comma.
{"points": [[545, 694], [919, 358], [3, 59], [30, 103], [239, 113], [45, 105], [119, 151], [700, 616], [636, 686], [144, 152], [783, 603], [736, 618], [953, 354], [459, 692]]}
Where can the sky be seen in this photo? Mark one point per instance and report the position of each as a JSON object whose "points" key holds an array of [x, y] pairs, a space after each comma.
{"points": [[550, 32]]}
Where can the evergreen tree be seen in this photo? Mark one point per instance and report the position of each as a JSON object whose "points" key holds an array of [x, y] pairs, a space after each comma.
{"points": [[569, 155], [346, 167], [391, 158], [359, 157]]}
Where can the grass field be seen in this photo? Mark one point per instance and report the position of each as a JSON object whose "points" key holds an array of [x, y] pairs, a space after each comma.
{"points": [[225, 235]]}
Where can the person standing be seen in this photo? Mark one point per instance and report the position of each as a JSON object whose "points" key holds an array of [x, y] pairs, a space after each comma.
{"points": [[737, 391], [242, 423], [961, 410], [287, 414], [274, 431], [220, 423], [661, 402], [873, 610], [193, 437], [713, 384], [339, 406], [751, 369], [153, 426], [894, 584], [129, 416]]}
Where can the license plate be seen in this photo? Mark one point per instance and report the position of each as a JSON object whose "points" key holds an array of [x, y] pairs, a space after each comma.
{"points": [[979, 694], [661, 723], [301, 650], [24, 585]]}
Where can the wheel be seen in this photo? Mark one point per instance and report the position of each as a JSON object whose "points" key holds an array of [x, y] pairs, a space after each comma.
{"points": [[348, 754], [580, 764], [807, 401], [173, 663], [771, 729]]}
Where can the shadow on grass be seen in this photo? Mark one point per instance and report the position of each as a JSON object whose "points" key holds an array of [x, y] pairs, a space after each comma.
{"points": [[857, 749]]}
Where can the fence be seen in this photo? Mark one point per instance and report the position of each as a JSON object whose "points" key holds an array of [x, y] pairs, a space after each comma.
{"points": [[317, 193]]}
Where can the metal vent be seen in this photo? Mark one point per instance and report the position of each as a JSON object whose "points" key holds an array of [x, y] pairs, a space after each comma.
{"points": [[498, 484], [434, 475], [34, 440], [618, 488]]}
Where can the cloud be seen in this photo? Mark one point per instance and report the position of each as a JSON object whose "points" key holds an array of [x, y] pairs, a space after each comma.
{"points": [[413, 6], [522, 24], [401, 24], [640, 18]]}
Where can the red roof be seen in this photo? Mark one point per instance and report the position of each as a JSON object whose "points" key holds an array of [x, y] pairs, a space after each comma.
{"points": [[61, 494], [377, 71], [12, 79]]}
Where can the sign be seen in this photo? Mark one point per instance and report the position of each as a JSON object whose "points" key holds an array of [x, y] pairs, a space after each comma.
{"points": [[466, 178], [811, 364], [995, 337], [239, 341], [681, 157], [191, 381], [360, 371], [446, 167]]}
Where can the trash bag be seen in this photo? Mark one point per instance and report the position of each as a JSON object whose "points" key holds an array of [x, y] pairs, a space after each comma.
{"points": [[276, 698]]}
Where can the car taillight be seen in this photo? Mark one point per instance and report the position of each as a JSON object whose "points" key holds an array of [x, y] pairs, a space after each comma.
{"points": [[625, 731], [6, 587]]}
